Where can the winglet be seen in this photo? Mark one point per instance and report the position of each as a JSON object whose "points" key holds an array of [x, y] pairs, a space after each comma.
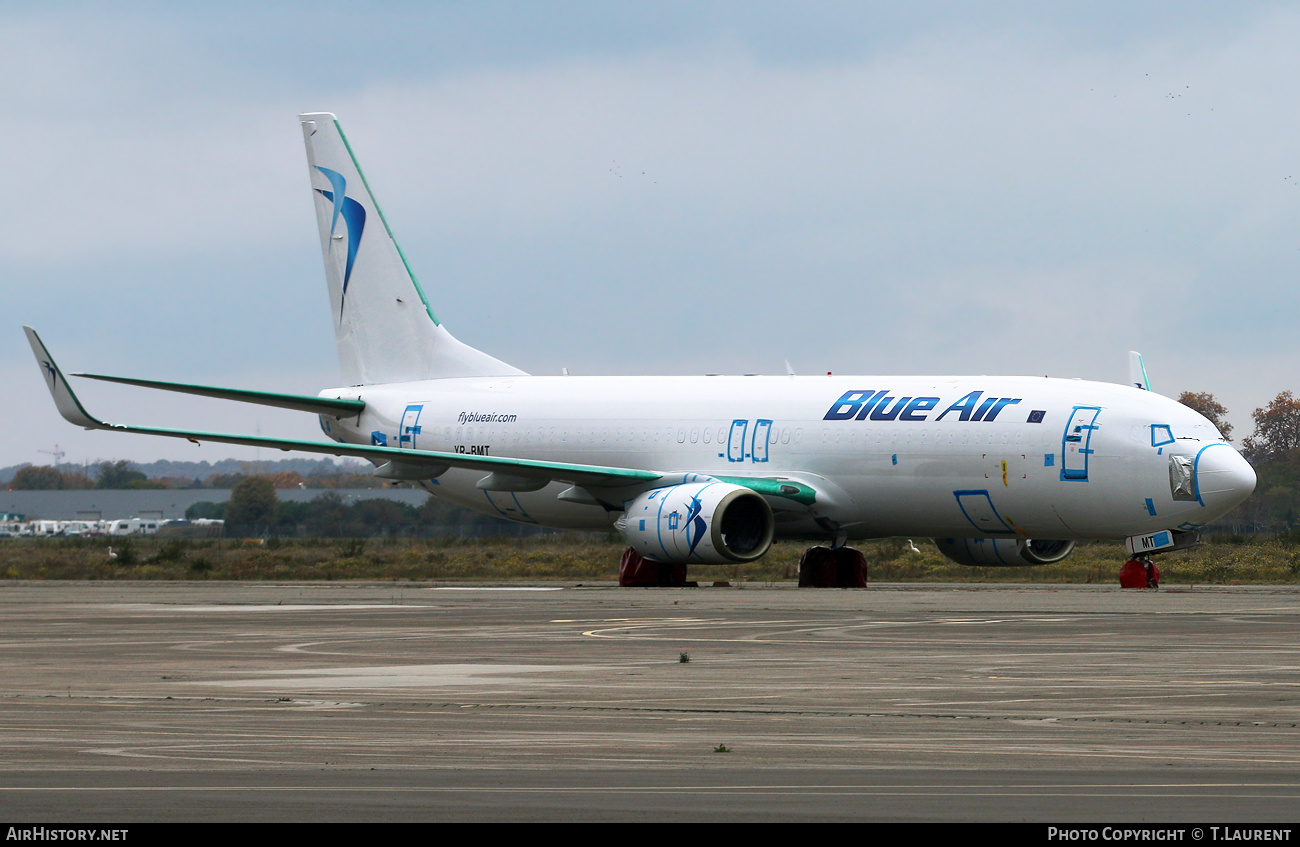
{"points": [[69, 406], [1137, 371]]}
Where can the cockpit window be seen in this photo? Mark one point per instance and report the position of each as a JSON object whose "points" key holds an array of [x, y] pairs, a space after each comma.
{"points": [[1161, 434]]}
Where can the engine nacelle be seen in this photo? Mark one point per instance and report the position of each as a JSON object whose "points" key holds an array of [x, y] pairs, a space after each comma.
{"points": [[700, 522], [1013, 552]]}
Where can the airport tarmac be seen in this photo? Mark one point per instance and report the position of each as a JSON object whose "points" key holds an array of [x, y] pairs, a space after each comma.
{"points": [[135, 702]]}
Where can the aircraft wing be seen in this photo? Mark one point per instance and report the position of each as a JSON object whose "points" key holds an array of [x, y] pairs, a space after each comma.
{"points": [[336, 407], [402, 463], [431, 463]]}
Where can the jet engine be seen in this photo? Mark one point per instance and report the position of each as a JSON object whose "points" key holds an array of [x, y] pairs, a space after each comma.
{"points": [[1015, 552], [700, 522]]}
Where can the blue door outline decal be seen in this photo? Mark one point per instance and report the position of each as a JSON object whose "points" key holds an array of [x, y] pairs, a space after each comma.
{"points": [[758, 445], [736, 442], [1076, 442], [410, 427]]}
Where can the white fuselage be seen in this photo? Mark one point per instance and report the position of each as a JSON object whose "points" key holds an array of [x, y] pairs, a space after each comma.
{"points": [[930, 456], [710, 469]]}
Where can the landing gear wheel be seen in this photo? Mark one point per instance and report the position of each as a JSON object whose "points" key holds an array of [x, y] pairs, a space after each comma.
{"points": [[822, 567], [635, 571], [850, 568], [817, 568], [1139, 573]]}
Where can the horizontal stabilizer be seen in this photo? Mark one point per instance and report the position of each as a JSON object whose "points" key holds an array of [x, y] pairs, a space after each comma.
{"points": [[336, 407]]}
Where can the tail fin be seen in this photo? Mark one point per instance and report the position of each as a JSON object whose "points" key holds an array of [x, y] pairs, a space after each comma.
{"points": [[385, 329], [1137, 371]]}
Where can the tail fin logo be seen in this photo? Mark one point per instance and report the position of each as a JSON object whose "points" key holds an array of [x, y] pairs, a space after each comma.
{"points": [[354, 218]]}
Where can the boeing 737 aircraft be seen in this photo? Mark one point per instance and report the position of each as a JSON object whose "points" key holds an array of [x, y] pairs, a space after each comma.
{"points": [[713, 469]]}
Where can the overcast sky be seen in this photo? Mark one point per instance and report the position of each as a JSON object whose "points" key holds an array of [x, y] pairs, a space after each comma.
{"points": [[674, 187]]}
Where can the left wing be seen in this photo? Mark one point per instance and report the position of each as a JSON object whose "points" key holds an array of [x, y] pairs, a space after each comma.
{"points": [[404, 463], [503, 474], [334, 406]]}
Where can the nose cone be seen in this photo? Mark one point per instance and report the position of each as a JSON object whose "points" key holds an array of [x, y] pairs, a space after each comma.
{"points": [[1223, 478]]}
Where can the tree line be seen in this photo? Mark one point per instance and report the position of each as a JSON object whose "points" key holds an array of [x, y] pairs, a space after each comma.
{"points": [[254, 510], [126, 475], [1273, 450]]}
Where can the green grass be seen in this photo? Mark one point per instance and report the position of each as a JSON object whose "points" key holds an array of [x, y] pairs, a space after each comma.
{"points": [[575, 558]]}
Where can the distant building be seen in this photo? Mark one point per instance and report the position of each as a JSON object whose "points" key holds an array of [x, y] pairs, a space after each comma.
{"points": [[168, 503]]}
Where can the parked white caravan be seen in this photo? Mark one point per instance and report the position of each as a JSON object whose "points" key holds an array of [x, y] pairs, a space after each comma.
{"points": [[134, 526], [45, 529]]}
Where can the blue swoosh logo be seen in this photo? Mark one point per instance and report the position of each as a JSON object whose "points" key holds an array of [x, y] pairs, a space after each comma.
{"points": [[354, 217], [696, 523]]}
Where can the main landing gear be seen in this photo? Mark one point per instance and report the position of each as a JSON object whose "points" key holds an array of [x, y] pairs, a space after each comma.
{"points": [[635, 571], [823, 567], [1139, 572], [819, 567]]}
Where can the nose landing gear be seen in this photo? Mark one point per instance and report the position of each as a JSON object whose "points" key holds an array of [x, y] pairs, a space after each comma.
{"points": [[1139, 572]]}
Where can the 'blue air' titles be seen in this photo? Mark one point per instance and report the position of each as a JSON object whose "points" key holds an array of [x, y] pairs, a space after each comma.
{"points": [[880, 406]]}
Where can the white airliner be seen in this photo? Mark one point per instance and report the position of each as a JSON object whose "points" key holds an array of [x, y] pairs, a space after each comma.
{"points": [[712, 469]]}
